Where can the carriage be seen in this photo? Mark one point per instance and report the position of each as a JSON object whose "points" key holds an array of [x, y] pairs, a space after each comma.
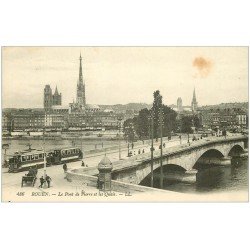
{"points": [[29, 180]]}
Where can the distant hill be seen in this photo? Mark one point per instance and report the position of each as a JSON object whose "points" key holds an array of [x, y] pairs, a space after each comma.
{"points": [[241, 105], [124, 107]]}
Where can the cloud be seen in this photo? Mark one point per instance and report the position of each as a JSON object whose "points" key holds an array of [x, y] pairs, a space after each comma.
{"points": [[203, 66]]}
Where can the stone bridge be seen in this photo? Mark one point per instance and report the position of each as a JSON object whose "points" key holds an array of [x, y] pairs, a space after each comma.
{"points": [[213, 150]]}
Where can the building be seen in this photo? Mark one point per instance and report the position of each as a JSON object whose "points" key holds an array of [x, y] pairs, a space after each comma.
{"points": [[54, 121], [179, 104], [194, 103], [48, 98], [27, 119], [228, 118], [51, 99], [57, 98]]}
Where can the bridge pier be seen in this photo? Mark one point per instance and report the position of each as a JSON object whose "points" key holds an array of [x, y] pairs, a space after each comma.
{"points": [[223, 161], [190, 176], [244, 154]]}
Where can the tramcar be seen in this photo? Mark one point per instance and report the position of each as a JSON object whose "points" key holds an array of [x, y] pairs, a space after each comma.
{"points": [[66, 155], [35, 158], [24, 160]]}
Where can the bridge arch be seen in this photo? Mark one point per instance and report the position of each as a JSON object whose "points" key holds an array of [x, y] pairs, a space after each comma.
{"points": [[236, 150], [171, 171], [207, 156]]}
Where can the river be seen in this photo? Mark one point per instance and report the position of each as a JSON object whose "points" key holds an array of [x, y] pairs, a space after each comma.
{"points": [[86, 145], [209, 179]]}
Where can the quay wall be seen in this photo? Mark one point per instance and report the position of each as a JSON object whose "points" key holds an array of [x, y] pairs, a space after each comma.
{"points": [[117, 186]]}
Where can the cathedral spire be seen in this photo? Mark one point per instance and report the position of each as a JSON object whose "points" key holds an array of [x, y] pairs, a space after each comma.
{"points": [[194, 96], [56, 91], [80, 93], [194, 103], [80, 70]]}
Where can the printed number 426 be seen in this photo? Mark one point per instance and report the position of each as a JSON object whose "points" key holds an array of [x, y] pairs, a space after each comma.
{"points": [[20, 193]]}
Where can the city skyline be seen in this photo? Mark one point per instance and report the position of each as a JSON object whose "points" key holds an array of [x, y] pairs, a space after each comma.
{"points": [[136, 71]]}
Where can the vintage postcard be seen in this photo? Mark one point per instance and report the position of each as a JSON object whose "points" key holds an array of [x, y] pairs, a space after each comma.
{"points": [[125, 124]]}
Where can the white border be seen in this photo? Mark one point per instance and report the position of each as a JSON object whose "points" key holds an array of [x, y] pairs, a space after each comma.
{"points": [[125, 226]]}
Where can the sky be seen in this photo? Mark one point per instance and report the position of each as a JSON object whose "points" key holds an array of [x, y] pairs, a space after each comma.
{"points": [[120, 75]]}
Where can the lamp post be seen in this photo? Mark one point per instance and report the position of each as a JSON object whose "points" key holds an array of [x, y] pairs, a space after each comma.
{"points": [[152, 148], [161, 167], [119, 134], [5, 147], [44, 159]]}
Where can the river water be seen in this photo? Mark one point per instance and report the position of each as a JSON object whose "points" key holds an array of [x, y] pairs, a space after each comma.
{"points": [[86, 145], [209, 179]]}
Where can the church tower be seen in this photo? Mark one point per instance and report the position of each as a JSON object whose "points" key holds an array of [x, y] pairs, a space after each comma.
{"points": [[194, 103], [80, 92], [48, 98], [57, 98], [179, 104]]}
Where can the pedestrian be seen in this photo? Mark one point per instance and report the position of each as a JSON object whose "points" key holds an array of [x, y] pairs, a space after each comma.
{"points": [[139, 151], [41, 182], [35, 170], [48, 179], [65, 168], [86, 165], [143, 151], [83, 164], [132, 145], [31, 172], [164, 145]]}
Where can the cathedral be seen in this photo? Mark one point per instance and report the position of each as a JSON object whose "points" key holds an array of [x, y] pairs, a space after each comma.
{"points": [[51, 99]]}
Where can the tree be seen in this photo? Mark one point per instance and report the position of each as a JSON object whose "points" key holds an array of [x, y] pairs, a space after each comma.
{"points": [[169, 121], [143, 123], [197, 122], [157, 105], [186, 124], [128, 129]]}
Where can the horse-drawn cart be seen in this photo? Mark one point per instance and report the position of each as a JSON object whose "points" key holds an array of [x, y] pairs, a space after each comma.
{"points": [[29, 180]]}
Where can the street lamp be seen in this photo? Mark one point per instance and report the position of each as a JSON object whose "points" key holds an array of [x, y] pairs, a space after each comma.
{"points": [[44, 158], [161, 167], [152, 148], [5, 147], [119, 130]]}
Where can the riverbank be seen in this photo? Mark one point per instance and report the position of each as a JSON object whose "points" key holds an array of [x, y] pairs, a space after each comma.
{"points": [[58, 138]]}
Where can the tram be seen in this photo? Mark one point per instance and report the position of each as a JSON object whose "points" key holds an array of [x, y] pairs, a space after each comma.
{"points": [[24, 160], [66, 155], [35, 158]]}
